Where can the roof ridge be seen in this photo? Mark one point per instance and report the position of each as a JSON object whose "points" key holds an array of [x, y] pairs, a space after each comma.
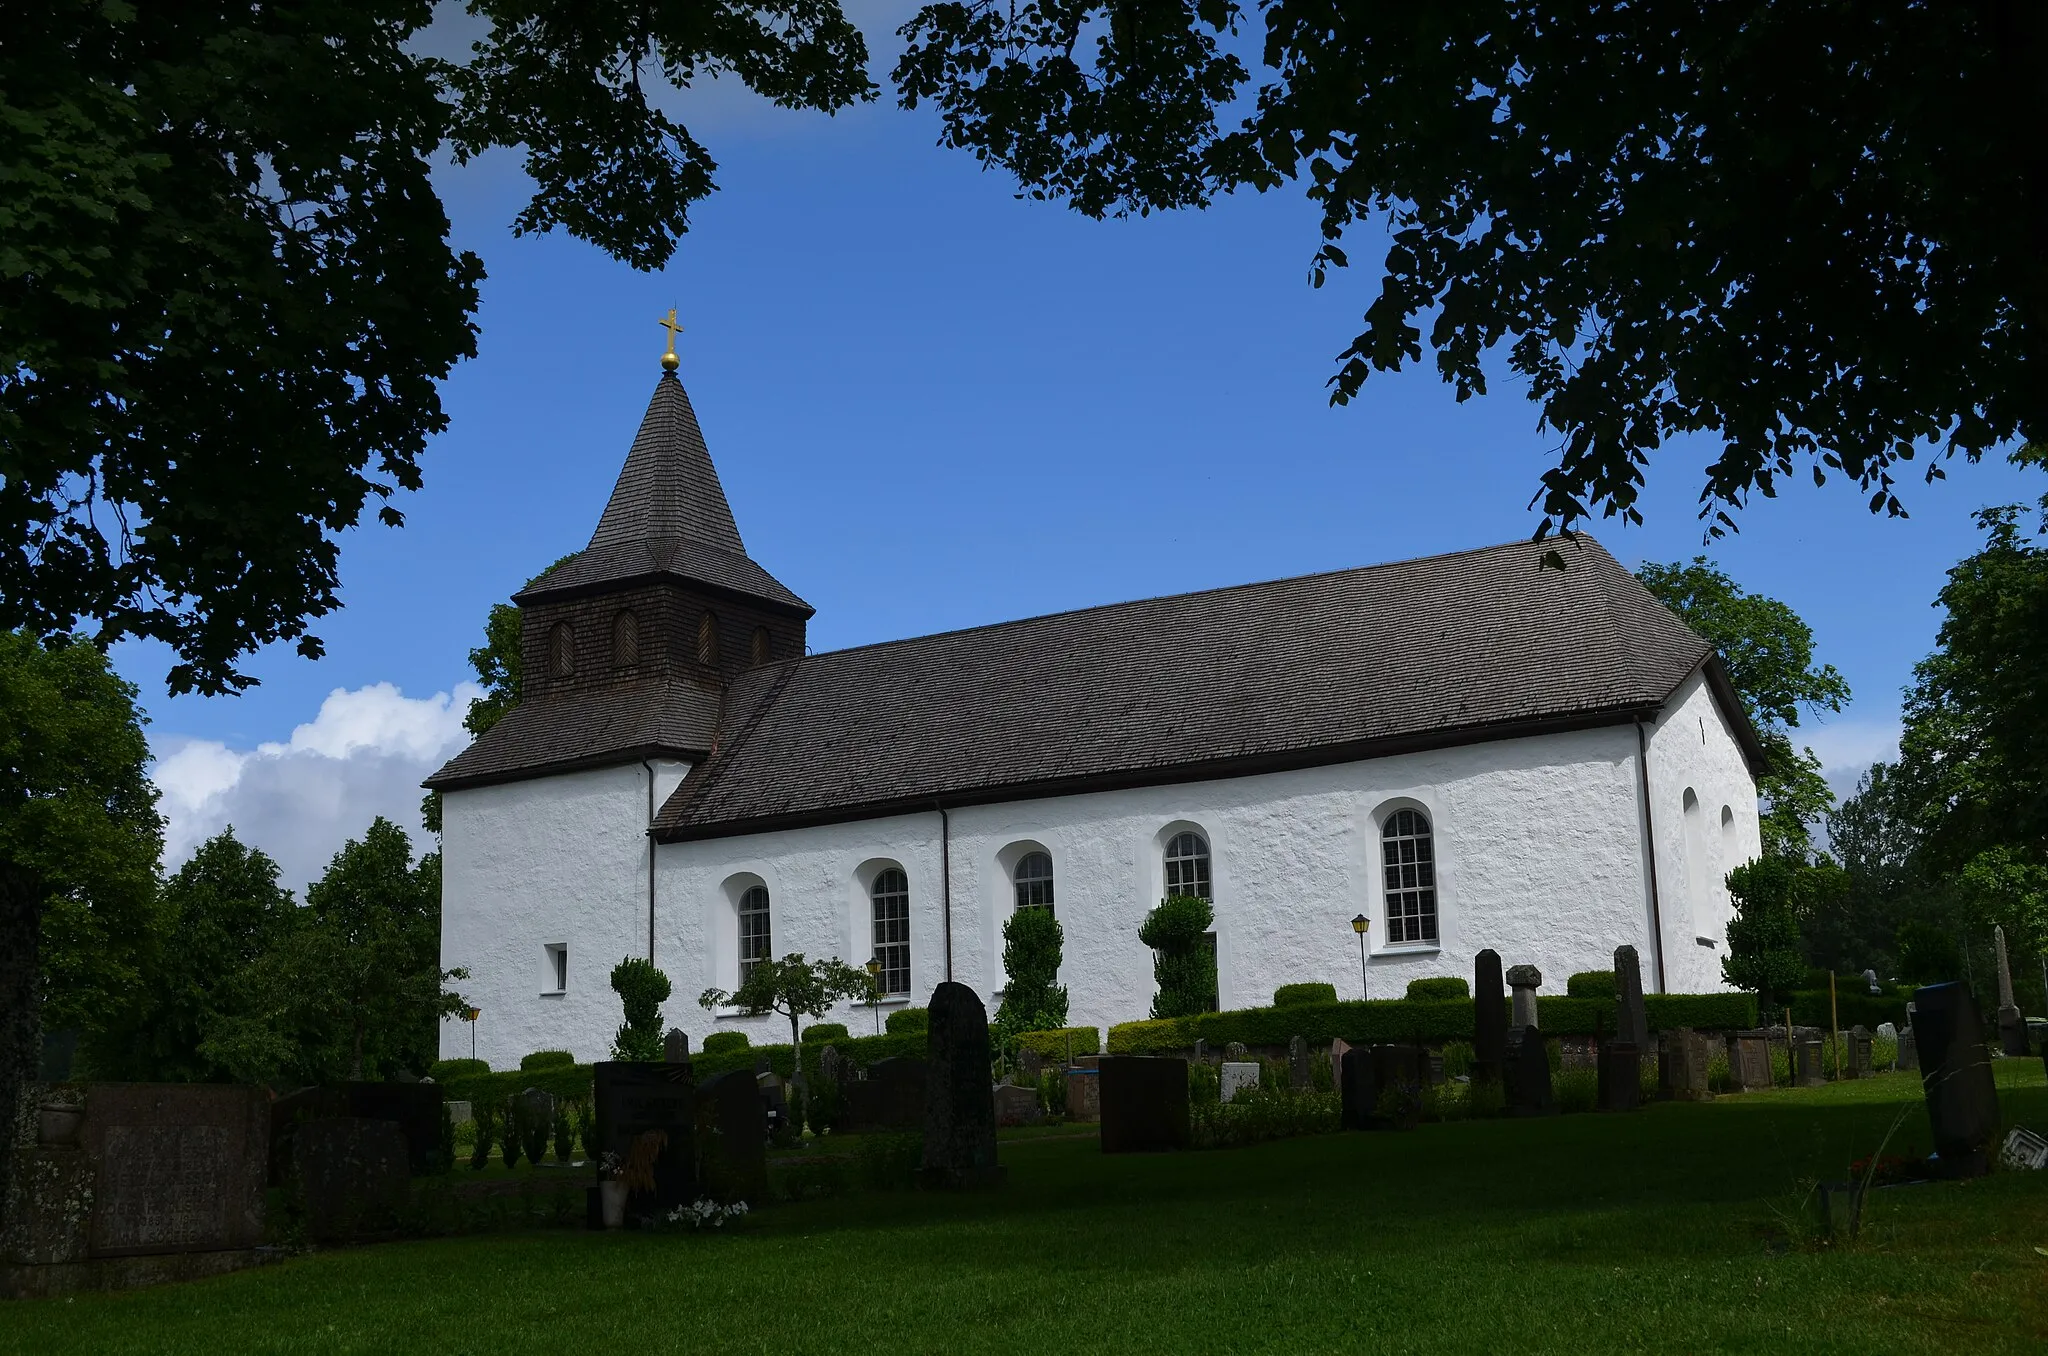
{"points": [[1195, 593]]}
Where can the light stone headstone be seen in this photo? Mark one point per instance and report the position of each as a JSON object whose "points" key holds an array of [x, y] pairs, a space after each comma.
{"points": [[1236, 1052], [1909, 1052], [1749, 1060], [1299, 1075], [1237, 1076], [1887, 1032], [1524, 980], [2012, 1027]]}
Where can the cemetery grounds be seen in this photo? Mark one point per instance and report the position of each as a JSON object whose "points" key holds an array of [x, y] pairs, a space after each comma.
{"points": [[1685, 1227]]}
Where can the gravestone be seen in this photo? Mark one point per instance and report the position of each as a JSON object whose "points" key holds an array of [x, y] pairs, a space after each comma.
{"points": [[1236, 1077], [1338, 1049], [1525, 980], [1909, 1052], [1620, 1077], [1578, 1052], [1029, 1064], [2012, 1027], [533, 1120], [1528, 1077], [353, 1174], [460, 1112], [1887, 1032], [1299, 1074], [1489, 1020], [1749, 1060], [1808, 1071], [831, 1066], [1017, 1105], [732, 1140], [761, 1066], [1398, 1069], [176, 1167], [1955, 1078], [1201, 1051], [1435, 1060], [1682, 1066], [774, 1102], [1856, 1053], [1144, 1103], [891, 1097], [414, 1107], [1632, 1019], [675, 1046], [658, 1099], [1236, 1052], [1084, 1094], [1357, 1090], [960, 1111]]}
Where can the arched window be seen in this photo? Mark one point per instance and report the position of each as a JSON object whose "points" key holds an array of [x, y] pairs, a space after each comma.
{"points": [[707, 640], [753, 929], [1187, 865], [891, 896], [625, 640], [1034, 881], [1408, 853], [761, 645], [561, 651]]}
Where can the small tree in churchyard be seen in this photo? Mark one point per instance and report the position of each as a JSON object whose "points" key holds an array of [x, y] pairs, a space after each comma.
{"points": [[643, 989], [1183, 965], [1770, 894], [795, 987], [1033, 1000]]}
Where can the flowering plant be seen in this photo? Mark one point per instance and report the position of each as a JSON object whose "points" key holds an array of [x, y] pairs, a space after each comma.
{"points": [[609, 1166], [706, 1215]]}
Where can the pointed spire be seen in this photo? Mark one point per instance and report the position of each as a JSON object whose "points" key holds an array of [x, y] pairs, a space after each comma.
{"points": [[668, 488]]}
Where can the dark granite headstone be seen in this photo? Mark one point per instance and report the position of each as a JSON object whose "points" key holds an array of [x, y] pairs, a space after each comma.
{"points": [[1299, 1075], [1144, 1103], [732, 1139], [832, 1066], [414, 1107], [1632, 1019], [675, 1046], [1955, 1078], [1749, 1060], [1682, 1066], [1528, 1077], [960, 1109], [1489, 1019], [1807, 1070], [533, 1120], [353, 1175], [1084, 1094], [891, 1097], [1358, 1090], [1856, 1053], [1399, 1070], [1620, 1077], [1909, 1051], [635, 1099], [177, 1167], [1017, 1106]]}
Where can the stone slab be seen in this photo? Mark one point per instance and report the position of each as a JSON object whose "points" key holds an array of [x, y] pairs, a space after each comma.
{"points": [[177, 1167], [352, 1175], [891, 1097], [1144, 1104], [127, 1273], [1955, 1078], [1528, 1077], [48, 1221], [633, 1098], [1017, 1106], [1357, 1090], [1749, 1061], [1620, 1083], [1238, 1075], [960, 1109], [731, 1139], [1489, 1020], [1084, 1095]]}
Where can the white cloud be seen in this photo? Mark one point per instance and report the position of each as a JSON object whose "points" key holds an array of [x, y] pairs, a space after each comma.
{"points": [[362, 756], [1847, 748]]}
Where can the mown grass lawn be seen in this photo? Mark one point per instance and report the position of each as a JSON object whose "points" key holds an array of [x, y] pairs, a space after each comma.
{"points": [[1677, 1229]]}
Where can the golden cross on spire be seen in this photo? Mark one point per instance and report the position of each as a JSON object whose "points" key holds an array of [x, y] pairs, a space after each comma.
{"points": [[669, 360]]}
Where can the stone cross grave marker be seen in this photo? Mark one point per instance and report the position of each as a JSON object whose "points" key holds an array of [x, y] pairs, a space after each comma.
{"points": [[960, 1111], [1237, 1076], [176, 1167], [1525, 980], [1490, 1020], [1632, 1019], [1299, 1074], [1955, 1078]]}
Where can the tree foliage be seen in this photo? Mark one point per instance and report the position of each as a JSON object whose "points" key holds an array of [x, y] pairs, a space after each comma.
{"points": [[227, 289], [1808, 231], [1183, 966], [1772, 895], [795, 987], [1033, 997], [1768, 650], [642, 989]]}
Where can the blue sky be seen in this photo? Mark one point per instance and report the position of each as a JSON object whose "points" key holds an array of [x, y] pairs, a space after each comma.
{"points": [[934, 405]]}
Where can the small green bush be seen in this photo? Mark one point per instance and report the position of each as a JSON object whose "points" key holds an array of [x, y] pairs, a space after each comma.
{"points": [[1576, 1090], [1592, 984], [445, 1069], [1182, 965], [719, 1041], [1437, 989], [822, 1032], [908, 1020], [1458, 1057], [1292, 995], [546, 1059]]}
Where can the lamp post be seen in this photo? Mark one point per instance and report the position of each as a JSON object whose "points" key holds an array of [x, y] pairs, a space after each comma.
{"points": [[875, 990], [470, 1015], [1359, 926]]}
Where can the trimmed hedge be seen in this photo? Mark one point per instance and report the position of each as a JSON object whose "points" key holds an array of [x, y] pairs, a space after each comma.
{"points": [[724, 1040], [1810, 1007], [1294, 995], [445, 1069], [860, 1051], [570, 1082], [1400, 1020], [825, 1031], [1438, 989], [1053, 1044], [1592, 984], [909, 1019], [546, 1059]]}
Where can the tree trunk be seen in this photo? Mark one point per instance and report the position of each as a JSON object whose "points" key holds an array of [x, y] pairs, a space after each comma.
{"points": [[21, 1030]]}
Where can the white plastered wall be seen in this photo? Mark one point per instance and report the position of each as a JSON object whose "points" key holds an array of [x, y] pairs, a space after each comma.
{"points": [[1694, 751], [554, 861]]}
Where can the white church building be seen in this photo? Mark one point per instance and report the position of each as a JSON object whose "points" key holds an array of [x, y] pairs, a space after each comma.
{"points": [[1470, 750]]}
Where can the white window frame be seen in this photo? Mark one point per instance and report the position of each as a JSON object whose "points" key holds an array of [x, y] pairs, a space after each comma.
{"points": [[1417, 880], [762, 945], [556, 957], [889, 915], [1200, 865], [1032, 889]]}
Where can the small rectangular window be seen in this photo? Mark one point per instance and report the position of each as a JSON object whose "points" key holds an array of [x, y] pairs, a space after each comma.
{"points": [[558, 967]]}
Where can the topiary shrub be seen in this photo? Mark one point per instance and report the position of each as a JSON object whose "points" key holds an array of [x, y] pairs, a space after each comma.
{"points": [[642, 989], [724, 1040], [1592, 984], [910, 1021], [824, 1031], [445, 1069], [546, 1059], [1034, 999], [1184, 968], [1438, 989], [1291, 995]]}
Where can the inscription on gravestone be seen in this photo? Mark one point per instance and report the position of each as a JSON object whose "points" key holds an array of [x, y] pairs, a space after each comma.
{"points": [[177, 1167]]}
